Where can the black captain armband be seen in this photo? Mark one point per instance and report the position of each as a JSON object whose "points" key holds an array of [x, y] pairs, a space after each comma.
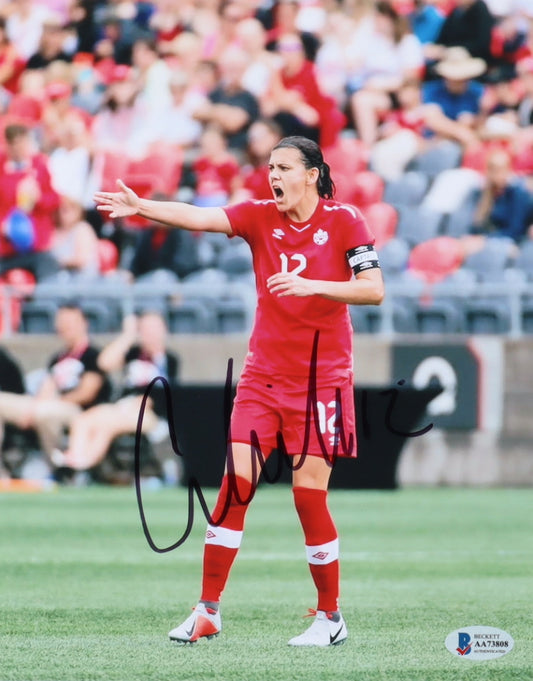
{"points": [[362, 258]]}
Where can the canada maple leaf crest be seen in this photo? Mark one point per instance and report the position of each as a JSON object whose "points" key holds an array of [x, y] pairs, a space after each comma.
{"points": [[320, 237]]}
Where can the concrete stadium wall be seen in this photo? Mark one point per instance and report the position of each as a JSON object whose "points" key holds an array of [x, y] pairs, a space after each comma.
{"points": [[499, 453]]}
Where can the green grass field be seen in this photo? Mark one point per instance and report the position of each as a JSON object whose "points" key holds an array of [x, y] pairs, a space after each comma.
{"points": [[83, 596]]}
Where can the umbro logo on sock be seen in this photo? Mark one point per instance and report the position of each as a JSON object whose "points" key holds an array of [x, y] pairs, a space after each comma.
{"points": [[321, 555]]}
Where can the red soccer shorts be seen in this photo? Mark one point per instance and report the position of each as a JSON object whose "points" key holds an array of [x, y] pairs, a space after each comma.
{"points": [[310, 421]]}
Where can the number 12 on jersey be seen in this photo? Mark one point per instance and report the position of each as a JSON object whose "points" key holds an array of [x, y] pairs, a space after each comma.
{"points": [[298, 258]]}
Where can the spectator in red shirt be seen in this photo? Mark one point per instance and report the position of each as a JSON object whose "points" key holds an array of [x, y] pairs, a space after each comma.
{"points": [[296, 102], [254, 182], [216, 169], [26, 190], [11, 63]]}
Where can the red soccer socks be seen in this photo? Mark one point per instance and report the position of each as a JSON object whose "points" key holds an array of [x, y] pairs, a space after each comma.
{"points": [[224, 535], [321, 544]]}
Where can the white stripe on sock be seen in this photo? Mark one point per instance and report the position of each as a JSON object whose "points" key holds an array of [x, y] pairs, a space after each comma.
{"points": [[222, 536], [322, 554]]}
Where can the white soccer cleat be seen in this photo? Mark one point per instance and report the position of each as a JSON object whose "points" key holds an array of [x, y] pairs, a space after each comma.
{"points": [[323, 632], [202, 623]]}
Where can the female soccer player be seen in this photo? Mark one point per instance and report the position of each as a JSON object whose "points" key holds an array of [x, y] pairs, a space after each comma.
{"points": [[312, 257]]}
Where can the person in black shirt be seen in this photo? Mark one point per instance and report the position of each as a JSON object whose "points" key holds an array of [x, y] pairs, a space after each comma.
{"points": [[469, 25], [158, 248], [73, 382], [51, 45], [12, 381], [140, 353], [229, 105]]}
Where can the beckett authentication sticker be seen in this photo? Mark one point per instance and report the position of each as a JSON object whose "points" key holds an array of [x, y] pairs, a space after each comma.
{"points": [[479, 643]]}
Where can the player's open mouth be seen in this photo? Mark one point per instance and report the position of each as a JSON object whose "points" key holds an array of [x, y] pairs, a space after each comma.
{"points": [[278, 192]]}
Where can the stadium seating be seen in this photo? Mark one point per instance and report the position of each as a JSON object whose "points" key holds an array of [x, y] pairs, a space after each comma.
{"points": [[438, 316], [435, 259], [112, 166], [393, 258], [368, 188], [382, 219], [38, 316], [458, 222], [442, 156], [108, 256], [235, 259], [524, 259], [347, 155], [102, 314], [489, 263], [191, 316], [231, 316], [417, 224], [408, 190]]}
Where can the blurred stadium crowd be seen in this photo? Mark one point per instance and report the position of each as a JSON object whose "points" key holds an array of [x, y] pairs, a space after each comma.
{"points": [[424, 109]]}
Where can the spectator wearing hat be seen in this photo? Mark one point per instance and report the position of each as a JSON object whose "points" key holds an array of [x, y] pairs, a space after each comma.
{"points": [[27, 205], [72, 382], [457, 92]]}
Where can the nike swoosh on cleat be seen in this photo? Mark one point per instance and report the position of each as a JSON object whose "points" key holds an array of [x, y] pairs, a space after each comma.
{"points": [[333, 638], [190, 633]]}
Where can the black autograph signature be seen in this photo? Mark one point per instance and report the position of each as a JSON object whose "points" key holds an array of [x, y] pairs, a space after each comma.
{"points": [[258, 458]]}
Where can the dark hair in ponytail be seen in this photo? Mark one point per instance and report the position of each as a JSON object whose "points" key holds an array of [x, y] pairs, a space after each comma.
{"points": [[312, 157]]}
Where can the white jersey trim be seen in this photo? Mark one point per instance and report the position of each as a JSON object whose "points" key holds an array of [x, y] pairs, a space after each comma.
{"points": [[222, 536], [322, 554], [343, 206]]}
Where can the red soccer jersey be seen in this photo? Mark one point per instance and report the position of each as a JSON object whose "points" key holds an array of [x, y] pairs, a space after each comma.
{"points": [[284, 328]]}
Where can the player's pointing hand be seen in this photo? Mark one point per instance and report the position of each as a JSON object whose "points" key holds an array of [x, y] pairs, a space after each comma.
{"points": [[118, 204]]}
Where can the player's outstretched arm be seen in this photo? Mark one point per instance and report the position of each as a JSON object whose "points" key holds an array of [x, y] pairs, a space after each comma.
{"points": [[125, 202]]}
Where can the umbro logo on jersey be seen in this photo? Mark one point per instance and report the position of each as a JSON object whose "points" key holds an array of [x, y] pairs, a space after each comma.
{"points": [[321, 555], [210, 534], [320, 237], [278, 233]]}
